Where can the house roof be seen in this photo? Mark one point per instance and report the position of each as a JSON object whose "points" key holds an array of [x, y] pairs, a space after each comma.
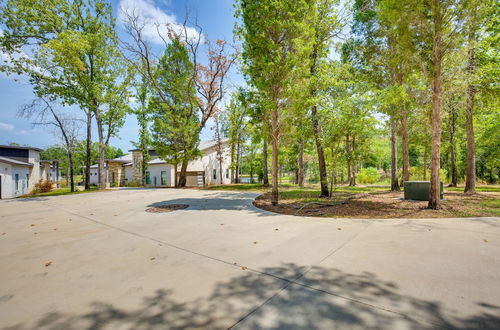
{"points": [[202, 146], [14, 162], [20, 147]]}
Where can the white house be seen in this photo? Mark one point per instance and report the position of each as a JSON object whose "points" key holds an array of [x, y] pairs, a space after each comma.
{"points": [[200, 172], [21, 168]]}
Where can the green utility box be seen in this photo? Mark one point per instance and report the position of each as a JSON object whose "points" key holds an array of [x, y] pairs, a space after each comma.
{"points": [[419, 190]]}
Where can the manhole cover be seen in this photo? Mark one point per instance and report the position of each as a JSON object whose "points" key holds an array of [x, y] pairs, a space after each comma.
{"points": [[166, 208]]}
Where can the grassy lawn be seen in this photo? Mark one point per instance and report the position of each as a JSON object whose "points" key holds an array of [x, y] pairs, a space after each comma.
{"points": [[60, 191], [491, 188]]}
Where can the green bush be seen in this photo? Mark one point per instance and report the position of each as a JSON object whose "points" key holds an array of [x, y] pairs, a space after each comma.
{"points": [[133, 184], [368, 175]]}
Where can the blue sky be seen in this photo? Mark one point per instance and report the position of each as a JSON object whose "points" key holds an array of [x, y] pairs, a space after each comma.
{"points": [[214, 16]]}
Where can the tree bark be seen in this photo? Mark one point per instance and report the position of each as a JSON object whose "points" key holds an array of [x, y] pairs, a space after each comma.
{"points": [[353, 163], [264, 164], [300, 164], [88, 155], [274, 160], [394, 157], [470, 181], [71, 174], [434, 191], [453, 156], [176, 180], [182, 174], [425, 164], [232, 163], [405, 143], [102, 147], [237, 167], [317, 133]]}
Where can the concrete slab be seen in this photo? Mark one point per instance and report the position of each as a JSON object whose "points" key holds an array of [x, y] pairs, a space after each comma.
{"points": [[222, 262]]}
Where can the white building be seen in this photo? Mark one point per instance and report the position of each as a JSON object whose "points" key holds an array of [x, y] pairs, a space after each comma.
{"points": [[200, 172], [21, 168]]}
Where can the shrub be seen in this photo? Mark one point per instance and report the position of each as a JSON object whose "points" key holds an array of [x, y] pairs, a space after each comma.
{"points": [[368, 175], [43, 186], [133, 184]]}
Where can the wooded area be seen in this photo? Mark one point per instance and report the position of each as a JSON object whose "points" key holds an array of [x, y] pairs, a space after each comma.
{"points": [[368, 91]]}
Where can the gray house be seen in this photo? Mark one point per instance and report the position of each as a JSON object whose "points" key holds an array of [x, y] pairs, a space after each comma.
{"points": [[21, 168]]}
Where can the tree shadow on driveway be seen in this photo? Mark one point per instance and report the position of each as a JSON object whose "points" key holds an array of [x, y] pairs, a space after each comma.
{"points": [[359, 301], [219, 201]]}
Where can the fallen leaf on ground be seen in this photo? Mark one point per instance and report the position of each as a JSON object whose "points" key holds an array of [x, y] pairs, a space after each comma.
{"points": [[48, 264], [32, 225], [244, 268], [254, 242], [276, 229], [54, 229], [485, 240], [152, 258], [339, 228], [222, 224]]}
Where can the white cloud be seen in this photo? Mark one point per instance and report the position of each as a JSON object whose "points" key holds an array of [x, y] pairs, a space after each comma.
{"points": [[152, 15], [6, 127]]}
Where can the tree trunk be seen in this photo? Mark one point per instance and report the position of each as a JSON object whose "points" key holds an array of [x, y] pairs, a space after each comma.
{"points": [[453, 155], [317, 133], [274, 159], [70, 170], [232, 163], [425, 164], [176, 180], [405, 143], [220, 170], [353, 166], [394, 157], [264, 164], [102, 147], [434, 191], [470, 181], [237, 167], [88, 156], [300, 164], [182, 174]]}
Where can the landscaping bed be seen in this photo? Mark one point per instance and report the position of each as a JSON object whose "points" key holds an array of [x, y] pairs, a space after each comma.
{"points": [[380, 204]]}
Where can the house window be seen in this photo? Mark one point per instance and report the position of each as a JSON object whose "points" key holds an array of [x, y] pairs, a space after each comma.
{"points": [[163, 178], [16, 177], [148, 178], [227, 173], [215, 174]]}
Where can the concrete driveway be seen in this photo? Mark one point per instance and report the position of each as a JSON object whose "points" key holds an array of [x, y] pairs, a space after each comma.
{"points": [[99, 261]]}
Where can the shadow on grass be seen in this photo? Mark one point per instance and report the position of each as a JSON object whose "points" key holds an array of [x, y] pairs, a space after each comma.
{"points": [[329, 299]]}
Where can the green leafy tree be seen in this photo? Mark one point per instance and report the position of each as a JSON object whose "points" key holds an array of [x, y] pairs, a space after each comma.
{"points": [[276, 50], [68, 50], [175, 124]]}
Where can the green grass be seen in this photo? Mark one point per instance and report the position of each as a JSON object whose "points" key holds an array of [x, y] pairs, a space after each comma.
{"points": [[59, 192], [307, 194], [478, 189]]}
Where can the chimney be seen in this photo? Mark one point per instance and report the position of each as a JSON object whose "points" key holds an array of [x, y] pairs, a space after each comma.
{"points": [[137, 166]]}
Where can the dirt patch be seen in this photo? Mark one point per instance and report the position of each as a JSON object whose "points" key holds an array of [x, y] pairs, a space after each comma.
{"points": [[166, 208], [384, 205]]}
